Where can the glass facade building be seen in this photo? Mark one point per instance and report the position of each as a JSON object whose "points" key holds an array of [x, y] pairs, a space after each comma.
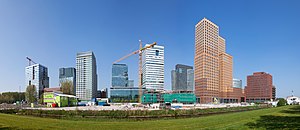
{"points": [[119, 75], [37, 75], [124, 94], [182, 78], [173, 79], [130, 83], [68, 74], [237, 83], [122, 90], [190, 80]]}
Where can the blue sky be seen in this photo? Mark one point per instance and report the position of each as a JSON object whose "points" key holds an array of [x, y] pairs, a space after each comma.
{"points": [[260, 35]]}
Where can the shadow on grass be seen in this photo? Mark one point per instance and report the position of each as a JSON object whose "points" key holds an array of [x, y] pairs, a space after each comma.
{"points": [[278, 122], [293, 110]]}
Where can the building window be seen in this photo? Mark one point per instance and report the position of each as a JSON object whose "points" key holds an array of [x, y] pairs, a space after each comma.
{"points": [[180, 70], [156, 52]]}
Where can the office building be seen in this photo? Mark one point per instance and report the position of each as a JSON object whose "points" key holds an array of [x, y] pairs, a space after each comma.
{"points": [[124, 94], [213, 66], [102, 93], [173, 79], [225, 76], [122, 89], [68, 75], [153, 68], [190, 80], [37, 75], [86, 76], [182, 78], [259, 87], [237, 83], [206, 61], [119, 75]]}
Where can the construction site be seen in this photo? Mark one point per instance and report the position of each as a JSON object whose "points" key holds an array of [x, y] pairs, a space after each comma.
{"points": [[121, 93]]}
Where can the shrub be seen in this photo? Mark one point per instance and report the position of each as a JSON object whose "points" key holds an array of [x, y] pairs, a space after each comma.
{"points": [[281, 102]]}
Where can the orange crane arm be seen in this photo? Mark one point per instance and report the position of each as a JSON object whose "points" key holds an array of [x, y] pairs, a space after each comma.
{"points": [[150, 46], [124, 57], [135, 52]]}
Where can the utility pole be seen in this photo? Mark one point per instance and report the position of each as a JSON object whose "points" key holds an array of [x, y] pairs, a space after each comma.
{"points": [[19, 94]]}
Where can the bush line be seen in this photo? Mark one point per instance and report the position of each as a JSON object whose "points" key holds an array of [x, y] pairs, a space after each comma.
{"points": [[134, 114]]}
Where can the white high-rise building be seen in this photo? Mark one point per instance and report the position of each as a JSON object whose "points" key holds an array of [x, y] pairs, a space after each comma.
{"points": [[37, 75], [86, 76], [153, 68]]}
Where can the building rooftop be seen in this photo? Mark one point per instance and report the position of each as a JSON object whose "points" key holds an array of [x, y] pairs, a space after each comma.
{"points": [[52, 89]]}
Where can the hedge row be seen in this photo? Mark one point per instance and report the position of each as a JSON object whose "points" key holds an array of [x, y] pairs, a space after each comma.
{"points": [[127, 114]]}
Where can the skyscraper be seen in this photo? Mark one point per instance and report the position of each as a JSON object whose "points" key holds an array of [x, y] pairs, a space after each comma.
{"points": [[37, 75], [213, 66], [69, 75], [119, 75], [206, 61], [182, 78], [86, 75], [225, 75], [153, 68], [259, 87]]}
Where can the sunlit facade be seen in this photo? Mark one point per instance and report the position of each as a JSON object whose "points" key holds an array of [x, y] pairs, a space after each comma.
{"points": [[153, 68], [86, 76], [206, 61], [213, 66], [37, 75], [259, 87]]}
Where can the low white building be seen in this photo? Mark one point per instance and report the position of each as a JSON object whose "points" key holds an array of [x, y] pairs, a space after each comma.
{"points": [[291, 100]]}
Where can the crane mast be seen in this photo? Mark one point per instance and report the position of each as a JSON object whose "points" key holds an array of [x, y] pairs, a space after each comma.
{"points": [[140, 73], [139, 51]]}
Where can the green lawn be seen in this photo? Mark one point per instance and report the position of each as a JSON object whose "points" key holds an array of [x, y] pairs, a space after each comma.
{"points": [[287, 117]]}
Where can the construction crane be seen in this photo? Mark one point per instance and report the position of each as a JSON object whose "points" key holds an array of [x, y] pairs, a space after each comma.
{"points": [[30, 61], [140, 51]]}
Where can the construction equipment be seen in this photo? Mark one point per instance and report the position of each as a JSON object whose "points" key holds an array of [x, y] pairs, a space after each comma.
{"points": [[135, 52], [30, 61], [140, 51]]}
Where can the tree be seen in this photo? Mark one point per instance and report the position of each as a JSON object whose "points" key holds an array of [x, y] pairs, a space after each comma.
{"points": [[31, 94], [11, 97], [41, 99], [67, 87], [281, 102]]}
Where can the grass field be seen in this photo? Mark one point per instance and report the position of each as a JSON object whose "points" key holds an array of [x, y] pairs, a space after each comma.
{"points": [[287, 117]]}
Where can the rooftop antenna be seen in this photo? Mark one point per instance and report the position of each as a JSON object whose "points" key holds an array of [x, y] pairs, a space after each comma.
{"points": [[292, 93]]}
